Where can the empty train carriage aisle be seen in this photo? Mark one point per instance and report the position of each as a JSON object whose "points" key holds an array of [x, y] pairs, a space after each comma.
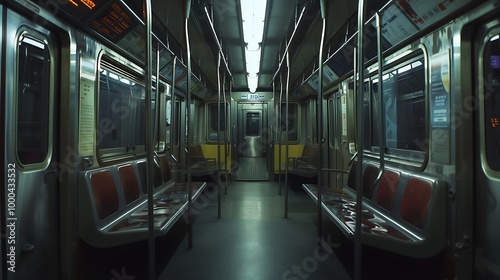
{"points": [[218, 139]]}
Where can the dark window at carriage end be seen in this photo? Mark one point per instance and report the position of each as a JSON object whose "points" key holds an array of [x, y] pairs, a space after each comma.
{"points": [[253, 123], [491, 75], [33, 97]]}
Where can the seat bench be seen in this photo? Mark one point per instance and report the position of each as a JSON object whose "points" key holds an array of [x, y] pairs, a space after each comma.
{"points": [[113, 208], [402, 213], [200, 165], [306, 164]]}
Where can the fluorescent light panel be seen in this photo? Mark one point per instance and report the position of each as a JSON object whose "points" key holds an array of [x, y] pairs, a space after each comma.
{"points": [[253, 13]]}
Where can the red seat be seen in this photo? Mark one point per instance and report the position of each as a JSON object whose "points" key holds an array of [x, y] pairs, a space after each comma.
{"points": [[105, 193], [165, 169], [369, 178], [416, 199], [157, 176], [387, 188], [129, 183]]}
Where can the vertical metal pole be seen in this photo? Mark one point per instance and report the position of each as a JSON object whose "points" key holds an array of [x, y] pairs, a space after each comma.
{"points": [[360, 131], [226, 122], [319, 117], [286, 129], [188, 118], [274, 131], [219, 206], [172, 111], [149, 144], [227, 144], [381, 92], [280, 130], [157, 99]]}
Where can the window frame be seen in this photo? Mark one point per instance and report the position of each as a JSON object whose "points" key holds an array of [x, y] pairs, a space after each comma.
{"points": [[417, 158], [209, 124], [489, 169], [298, 124], [108, 62], [33, 35]]}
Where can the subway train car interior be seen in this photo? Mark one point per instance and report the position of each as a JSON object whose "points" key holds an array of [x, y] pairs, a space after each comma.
{"points": [[250, 139]]}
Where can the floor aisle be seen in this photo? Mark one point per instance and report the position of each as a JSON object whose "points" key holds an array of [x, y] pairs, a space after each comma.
{"points": [[253, 240]]}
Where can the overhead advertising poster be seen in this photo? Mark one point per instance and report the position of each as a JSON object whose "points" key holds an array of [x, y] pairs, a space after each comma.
{"points": [[313, 81], [424, 12], [395, 25], [166, 71], [165, 57], [180, 76], [134, 42], [328, 75], [342, 62]]}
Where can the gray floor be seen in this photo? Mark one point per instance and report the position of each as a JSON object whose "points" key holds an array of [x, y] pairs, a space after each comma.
{"points": [[252, 240], [252, 169]]}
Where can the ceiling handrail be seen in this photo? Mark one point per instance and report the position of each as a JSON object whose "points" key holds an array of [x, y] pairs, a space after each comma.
{"points": [[283, 57], [223, 57]]}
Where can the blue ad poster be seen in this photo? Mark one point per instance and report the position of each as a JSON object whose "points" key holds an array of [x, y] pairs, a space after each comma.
{"points": [[391, 112], [440, 90]]}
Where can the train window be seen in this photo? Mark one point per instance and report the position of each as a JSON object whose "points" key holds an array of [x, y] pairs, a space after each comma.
{"points": [[331, 123], [168, 115], [213, 117], [491, 98], [253, 124], [33, 99], [367, 113], [403, 115], [336, 123], [177, 127], [122, 113], [293, 120]]}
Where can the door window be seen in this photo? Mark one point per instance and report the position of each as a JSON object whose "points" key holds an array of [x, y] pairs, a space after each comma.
{"points": [[33, 100], [491, 68], [252, 124]]}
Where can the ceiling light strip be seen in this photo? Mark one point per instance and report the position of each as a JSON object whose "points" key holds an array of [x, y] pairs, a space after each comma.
{"points": [[253, 13]]}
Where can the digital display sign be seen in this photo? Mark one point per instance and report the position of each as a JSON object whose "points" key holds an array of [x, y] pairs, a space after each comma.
{"points": [[89, 3], [119, 21], [79, 9], [114, 22], [495, 122], [495, 61]]}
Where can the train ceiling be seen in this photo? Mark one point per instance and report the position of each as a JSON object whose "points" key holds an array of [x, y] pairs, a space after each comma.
{"points": [[121, 22], [280, 19]]}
